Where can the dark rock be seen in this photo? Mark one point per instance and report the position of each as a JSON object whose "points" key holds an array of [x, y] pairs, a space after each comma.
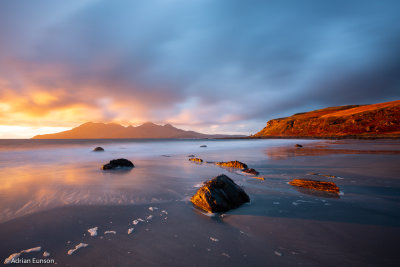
{"points": [[98, 149], [219, 194], [191, 156], [316, 185], [203, 146], [118, 163], [232, 164], [197, 160], [298, 145], [251, 171]]}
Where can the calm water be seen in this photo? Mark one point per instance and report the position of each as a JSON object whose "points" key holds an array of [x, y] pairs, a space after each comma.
{"points": [[43, 174]]}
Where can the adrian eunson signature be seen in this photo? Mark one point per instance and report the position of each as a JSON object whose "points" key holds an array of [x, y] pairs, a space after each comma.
{"points": [[32, 261]]}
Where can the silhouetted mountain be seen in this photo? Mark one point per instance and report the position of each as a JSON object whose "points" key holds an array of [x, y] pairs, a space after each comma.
{"points": [[376, 120], [92, 130]]}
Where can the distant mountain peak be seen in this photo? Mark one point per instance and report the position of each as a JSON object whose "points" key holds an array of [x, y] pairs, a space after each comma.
{"points": [[99, 130]]}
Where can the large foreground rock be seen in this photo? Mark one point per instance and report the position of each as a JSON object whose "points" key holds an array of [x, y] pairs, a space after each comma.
{"points": [[232, 164], [316, 185], [219, 194], [118, 163]]}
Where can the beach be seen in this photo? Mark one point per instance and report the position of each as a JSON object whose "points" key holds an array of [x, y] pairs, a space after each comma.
{"points": [[53, 191]]}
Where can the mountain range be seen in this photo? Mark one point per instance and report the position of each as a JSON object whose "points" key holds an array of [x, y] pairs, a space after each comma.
{"points": [[376, 120], [91, 130]]}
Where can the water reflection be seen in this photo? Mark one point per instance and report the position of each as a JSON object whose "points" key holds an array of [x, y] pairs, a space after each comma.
{"points": [[280, 153], [28, 189], [317, 193]]}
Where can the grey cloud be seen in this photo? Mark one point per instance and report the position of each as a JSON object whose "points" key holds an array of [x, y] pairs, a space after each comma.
{"points": [[250, 60]]}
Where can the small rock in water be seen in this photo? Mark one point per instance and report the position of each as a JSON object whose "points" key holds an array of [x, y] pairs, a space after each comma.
{"points": [[15, 256], [46, 254], [226, 255], [232, 164], [98, 149], [164, 211], [93, 231], [153, 208], [12, 258], [251, 171], [191, 156], [278, 253], [203, 146], [80, 245], [110, 232], [196, 160], [214, 239], [149, 217], [118, 163], [137, 221], [130, 230], [316, 185], [298, 145]]}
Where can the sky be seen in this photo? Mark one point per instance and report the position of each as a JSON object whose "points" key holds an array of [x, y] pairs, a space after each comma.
{"points": [[225, 66]]}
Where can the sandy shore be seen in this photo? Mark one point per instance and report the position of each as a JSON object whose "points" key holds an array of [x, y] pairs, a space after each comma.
{"points": [[280, 227]]}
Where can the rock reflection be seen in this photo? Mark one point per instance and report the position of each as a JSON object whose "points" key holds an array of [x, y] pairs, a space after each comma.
{"points": [[317, 193], [28, 189], [280, 153]]}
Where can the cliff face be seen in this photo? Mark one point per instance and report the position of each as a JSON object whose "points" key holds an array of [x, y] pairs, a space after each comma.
{"points": [[365, 120]]}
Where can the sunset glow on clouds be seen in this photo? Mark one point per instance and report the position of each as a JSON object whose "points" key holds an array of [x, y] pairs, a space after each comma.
{"points": [[210, 66]]}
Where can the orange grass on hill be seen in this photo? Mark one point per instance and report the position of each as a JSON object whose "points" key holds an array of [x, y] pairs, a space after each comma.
{"points": [[359, 120]]}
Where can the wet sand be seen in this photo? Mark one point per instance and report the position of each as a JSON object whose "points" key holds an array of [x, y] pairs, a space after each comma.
{"points": [[282, 226]]}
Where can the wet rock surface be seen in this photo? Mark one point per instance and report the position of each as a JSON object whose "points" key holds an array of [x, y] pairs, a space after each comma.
{"points": [[118, 163], [316, 185], [98, 149], [197, 160], [219, 194], [251, 171], [232, 164]]}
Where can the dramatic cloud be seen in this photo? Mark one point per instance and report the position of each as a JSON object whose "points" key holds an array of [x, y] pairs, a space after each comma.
{"points": [[212, 66]]}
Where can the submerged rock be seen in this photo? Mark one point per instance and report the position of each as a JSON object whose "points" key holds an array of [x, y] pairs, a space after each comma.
{"points": [[251, 171], [118, 163], [232, 164], [98, 149], [197, 160], [298, 145], [191, 156], [203, 146], [219, 194], [316, 185]]}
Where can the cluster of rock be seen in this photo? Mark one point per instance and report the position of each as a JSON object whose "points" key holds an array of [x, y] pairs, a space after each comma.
{"points": [[238, 165]]}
